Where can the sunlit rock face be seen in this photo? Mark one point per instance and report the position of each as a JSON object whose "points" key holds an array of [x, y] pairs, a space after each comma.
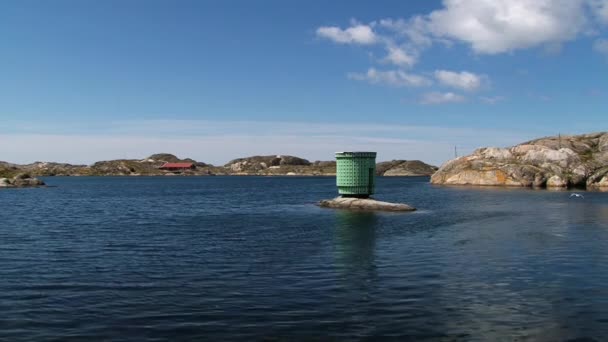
{"points": [[364, 204], [554, 162]]}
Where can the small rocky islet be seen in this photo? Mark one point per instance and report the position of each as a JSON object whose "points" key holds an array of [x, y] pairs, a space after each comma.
{"points": [[22, 180], [560, 161], [364, 204]]}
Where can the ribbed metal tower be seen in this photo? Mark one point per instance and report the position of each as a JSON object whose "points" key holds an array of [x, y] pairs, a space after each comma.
{"points": [[356, 173]]}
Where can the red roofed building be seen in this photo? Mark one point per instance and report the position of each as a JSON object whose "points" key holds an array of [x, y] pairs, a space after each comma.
{"points": [[178, 166]]}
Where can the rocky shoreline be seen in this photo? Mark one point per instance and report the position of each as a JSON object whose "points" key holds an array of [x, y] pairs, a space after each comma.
{"points": [[579, 161], [273, 165], [21, 181]]}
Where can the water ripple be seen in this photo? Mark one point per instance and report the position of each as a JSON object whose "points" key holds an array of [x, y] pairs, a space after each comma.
{"points": [[231, 258]]}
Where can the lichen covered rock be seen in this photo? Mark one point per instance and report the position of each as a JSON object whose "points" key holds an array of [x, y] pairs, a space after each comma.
{"points": [[556, 162]]}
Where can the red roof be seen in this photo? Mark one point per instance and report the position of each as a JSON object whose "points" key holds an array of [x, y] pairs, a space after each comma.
{"points": [[177, 165]]}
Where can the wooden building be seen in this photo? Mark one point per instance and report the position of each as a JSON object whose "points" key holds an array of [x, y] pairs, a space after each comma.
{"points": [[177, 166]]}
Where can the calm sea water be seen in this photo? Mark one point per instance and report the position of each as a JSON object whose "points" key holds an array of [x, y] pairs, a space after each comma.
{"points": [[252, 258]]}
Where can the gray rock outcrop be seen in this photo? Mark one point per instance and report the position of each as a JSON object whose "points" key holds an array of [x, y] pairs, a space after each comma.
{"points": [[364, 204], [555, 162], [22, 180], [161, 158], [258, 163]]}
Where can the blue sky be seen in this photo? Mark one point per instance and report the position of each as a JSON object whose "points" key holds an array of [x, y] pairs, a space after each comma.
{"points": [[82, 81]]}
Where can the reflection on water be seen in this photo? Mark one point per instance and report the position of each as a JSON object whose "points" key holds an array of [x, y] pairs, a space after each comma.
{"points": [[355, 244]]}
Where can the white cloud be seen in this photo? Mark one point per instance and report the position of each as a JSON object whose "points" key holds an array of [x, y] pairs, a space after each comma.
{"points": [[356, 34], [497, 26], [395, 78], [400, 57], [487, 26], [463, 80], [601, 46], [415, 30], [441, 98], [601, 9]]}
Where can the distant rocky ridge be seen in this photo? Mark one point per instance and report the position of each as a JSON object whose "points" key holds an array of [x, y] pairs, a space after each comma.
{"points": [[268, 165], [405, 168], [553, 162], [273, 165]]}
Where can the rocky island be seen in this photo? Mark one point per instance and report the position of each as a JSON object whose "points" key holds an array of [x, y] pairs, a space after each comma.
{"points": [[279, 165], [552, 162], [270, 165]]}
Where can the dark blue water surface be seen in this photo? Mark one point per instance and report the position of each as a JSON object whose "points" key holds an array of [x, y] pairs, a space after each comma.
{"points": [[252, 258]]}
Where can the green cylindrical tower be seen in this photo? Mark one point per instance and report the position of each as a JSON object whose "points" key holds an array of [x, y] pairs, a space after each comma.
{"points": [[356, 173]]}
